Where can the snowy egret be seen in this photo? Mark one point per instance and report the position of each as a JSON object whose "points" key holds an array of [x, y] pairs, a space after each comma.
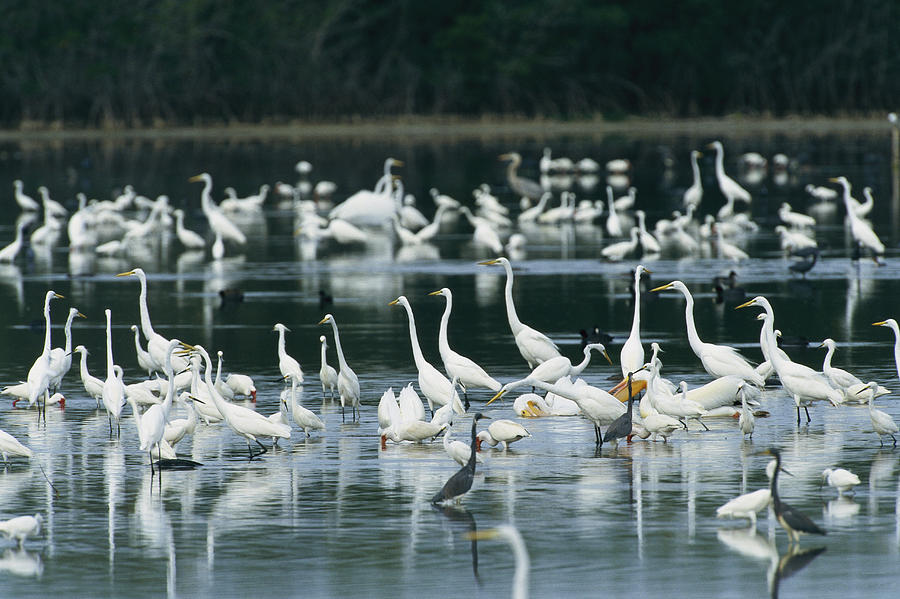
{"points": [[748, 504], [882, 422], [22, 527], [502, 432], [304, 417], [840, 479], [9, 445], [327, 374]]}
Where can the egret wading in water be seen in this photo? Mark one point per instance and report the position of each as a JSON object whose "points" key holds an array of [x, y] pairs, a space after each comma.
{"points": [[631, 356], [534, 346], [460, 483], [436, 388], [113, 386], [327, 374], [892, 324], [748, 504], [456, 365], [347, 381], [287, 365], [882, 422], [39, 373], [792, 521], [245, 422]]}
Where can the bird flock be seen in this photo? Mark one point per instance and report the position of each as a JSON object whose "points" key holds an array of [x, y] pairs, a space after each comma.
{"points": [[664, 407]]}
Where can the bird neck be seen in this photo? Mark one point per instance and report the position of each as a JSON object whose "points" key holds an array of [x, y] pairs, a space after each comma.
{"points": [[414, 337], [337, 344], [69, 333], [47, 338], [720, 162], [696, 170], [213, 393], [110, 372], [578, 368], [826, 365], [324, 360], [471, 462], [636, 321], [693, 335], [443, 341], [514, 323], [146, 326]]}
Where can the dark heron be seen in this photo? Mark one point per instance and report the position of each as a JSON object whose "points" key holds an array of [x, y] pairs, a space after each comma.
{"points": [[792, 521], [523, 187], [460, 483], [621, 426], [805, 260], [727, 290]]}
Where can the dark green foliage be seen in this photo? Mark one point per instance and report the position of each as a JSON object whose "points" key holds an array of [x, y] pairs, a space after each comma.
{"points": [[198, 61]]}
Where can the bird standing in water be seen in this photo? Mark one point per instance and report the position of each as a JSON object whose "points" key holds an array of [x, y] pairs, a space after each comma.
{"points": [[460, 483], [792, 521]]}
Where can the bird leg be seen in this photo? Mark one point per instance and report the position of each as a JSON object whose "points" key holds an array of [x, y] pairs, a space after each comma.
{"points": [[703, 423], [808, 419], [894, 440], [798, 414]]}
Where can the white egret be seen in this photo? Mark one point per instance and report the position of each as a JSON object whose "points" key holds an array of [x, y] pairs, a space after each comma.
{"points": [[152, 423], [436, 388], [9, 445], [287, 365], [556, 368], [804, 384], [9, 253], [347, 381], [523, 564], [598, 406], [620, 249], [648, 241], [729, 187], [726, 249], [892, 324], [840, 479], [854, 390], [304, 417], [113, 388], [534, 346], [245, 422], [25, 202], [92, 385], [717, 360], [501, 432], [693, 195], [531, 214], [367, 207], [456, 365], [748, 504], [22, 527], [178, 428], [145, 361], [206, 408], [882, 422], [156, 343], [427, 233], [795, 219], [863, 234], [61, 357], [631, 356], [39, 374], [327, 374], [613, 222], [242, 385], [459, 451], [218, 222], [189, 239]]}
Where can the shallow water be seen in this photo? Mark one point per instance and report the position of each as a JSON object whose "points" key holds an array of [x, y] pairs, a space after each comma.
{"points": [[334, 515]]}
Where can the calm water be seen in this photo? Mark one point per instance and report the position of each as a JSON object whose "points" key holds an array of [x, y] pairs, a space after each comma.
{"points": [[334, 515]]}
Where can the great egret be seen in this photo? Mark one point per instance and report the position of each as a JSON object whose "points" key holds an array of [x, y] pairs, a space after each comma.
{"points": [[792, 521], [598, 406], [501, 432], [840, 479], [746, 505], [456, 365], [218, 222], [327, 374], [523, 564], [152, 423], [556, 368], [693, 195], [845, 382], [717, 360], [436, 388], [245, 422], [461, 482], [729, 187], [347, 381], [92, 385], [746, 421], [631, 357], [613, 223], [143, 356], [25, 202], [189, 239], [882, 422], [178, 428], [287, 365], [366, 207], [797, 220], [804, 384], [648, 241], [534, 346], [39, 374], [22, 527], [9, 253], [892, 324], [862, 233], [61, 357], [304, 417], [156, 343], [113, 388], [9, 445], [620, 249]]}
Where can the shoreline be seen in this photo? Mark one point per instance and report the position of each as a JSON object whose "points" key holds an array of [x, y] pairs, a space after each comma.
{"points": [[458, 128]]}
